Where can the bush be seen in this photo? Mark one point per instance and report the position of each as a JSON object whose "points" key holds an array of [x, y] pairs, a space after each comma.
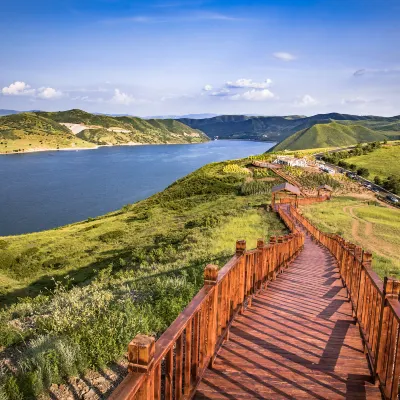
{"points": [[364, 172], [378, 180]]}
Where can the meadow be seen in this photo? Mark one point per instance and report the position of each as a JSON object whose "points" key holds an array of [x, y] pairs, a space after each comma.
{"points": [[382, 162], [365, 222], [78, 294]]}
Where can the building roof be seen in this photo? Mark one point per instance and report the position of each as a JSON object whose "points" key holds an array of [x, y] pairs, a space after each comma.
{"points": [[286, 187], [326, 187]]}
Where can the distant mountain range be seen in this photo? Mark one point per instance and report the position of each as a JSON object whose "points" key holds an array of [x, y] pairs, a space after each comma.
{"points": [[4, 112], [280, 128], [34, 131]]}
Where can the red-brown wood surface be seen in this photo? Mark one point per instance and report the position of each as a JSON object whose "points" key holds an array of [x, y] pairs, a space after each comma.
{"points": [[297, 341]]}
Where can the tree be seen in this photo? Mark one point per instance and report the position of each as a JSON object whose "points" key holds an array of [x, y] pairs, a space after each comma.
{"points": [[378, 180], [352, 167], [364, 172]]}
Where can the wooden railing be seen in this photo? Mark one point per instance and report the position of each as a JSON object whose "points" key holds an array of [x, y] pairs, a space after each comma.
{"points": [[172, 366], [375, 304], [303, 201]]}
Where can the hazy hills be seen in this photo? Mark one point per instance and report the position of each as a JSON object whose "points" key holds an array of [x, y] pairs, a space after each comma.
{"points": [[76, 128], [333, 134]]}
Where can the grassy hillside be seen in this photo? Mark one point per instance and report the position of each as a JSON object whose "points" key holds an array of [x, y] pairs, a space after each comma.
{"points": [[125, 129], [329, 135], [279, 128], [28, 131], [382, 162], [45, 130], [374, 227], [105, 279]]}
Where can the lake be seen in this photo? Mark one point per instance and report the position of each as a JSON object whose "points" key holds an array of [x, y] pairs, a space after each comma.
{"points": [[48, 189]]}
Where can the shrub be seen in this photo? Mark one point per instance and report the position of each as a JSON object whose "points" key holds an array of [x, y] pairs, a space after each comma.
{"points": [[3, 244], [364, 172]]}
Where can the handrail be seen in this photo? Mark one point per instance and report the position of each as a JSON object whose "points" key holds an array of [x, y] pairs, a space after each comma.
{"points": [[376, 305], [173, 366]]}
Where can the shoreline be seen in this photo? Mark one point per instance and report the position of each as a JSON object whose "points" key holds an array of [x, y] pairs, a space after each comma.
{"points": [[96, 147]]}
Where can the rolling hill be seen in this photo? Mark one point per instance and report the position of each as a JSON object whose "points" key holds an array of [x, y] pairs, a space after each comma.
{"points": [[78, 129], [31, 132], [332, 134], [279, 128]]}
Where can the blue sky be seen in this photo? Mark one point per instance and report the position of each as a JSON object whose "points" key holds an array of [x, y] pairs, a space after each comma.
{"points": [[161, 57]]}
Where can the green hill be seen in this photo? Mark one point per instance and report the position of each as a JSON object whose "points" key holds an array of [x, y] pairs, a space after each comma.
{"points": [[278, 128], [30, 132], [329, 135], [76, 128]]}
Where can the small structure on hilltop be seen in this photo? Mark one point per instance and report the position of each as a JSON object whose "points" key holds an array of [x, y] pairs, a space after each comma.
{"points": [[291, 161], [325, 188], [286, 189]]}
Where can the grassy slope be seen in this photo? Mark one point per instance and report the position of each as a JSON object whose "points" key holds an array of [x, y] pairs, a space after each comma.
{"points": [[329, 135], [42, 130], [377, 228], [28, 131], [136, 270], [28, 261], [382, 162], [141, 131]]}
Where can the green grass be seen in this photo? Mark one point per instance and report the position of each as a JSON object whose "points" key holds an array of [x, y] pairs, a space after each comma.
{"points": [[333, 134], [383, 240], [382, 162], [29, 132], [43, 130], [78, 294]]}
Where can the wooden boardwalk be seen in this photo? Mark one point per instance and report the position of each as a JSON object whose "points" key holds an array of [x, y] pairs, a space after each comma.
{"points": [[297, 341]]}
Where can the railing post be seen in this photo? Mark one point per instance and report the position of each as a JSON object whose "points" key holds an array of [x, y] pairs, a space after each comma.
{"points": [[260, 272], [391, 289], [273, 256], [240, 251], [141, 358], [210, 278]]}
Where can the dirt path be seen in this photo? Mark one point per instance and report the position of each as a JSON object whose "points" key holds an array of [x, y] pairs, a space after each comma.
{"points": [[367, 239]]}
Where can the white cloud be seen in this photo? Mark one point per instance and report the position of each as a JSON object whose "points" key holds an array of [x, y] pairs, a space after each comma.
{"points": [[221, 93], [18, 89], [306, 101], [376, 72], [254, 95], [248, 84], [207, 88], [48, 93], [122, 98], [280, 55]]}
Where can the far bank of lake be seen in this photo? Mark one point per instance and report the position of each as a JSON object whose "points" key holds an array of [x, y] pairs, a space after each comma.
{"points": [[44, 190]]}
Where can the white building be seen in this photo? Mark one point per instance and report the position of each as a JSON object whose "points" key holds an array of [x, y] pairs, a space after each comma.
{"points": [[292, 161]]}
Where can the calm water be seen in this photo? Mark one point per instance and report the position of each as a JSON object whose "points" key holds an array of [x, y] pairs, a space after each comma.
{"points": [[44, 190]]}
